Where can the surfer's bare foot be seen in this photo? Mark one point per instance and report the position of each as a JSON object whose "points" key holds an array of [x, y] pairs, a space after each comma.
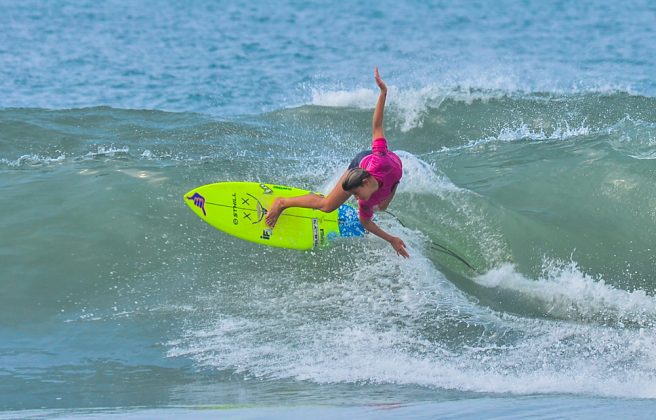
{"points": [[274, 212]]}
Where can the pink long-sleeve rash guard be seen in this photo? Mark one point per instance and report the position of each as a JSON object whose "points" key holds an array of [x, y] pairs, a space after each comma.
{"points": [[386, 167]]}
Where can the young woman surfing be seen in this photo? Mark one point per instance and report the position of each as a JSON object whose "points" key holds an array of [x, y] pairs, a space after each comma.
{"points": [[372, 177]]}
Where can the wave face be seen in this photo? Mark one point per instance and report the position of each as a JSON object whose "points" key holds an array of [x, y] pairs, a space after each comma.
{"points": [[549, 197], [528, 138]]}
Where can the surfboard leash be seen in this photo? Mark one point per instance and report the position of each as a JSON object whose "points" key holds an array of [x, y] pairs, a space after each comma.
{"points": [[441, 248]]}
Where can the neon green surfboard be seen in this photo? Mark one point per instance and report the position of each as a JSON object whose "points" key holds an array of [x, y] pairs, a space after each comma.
{"points": [[240, 208]]}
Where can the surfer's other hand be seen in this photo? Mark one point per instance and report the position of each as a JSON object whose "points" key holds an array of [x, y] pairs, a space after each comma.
{"points": [[399, 246]]}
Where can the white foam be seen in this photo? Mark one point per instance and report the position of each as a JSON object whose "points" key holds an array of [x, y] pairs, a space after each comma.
{"points": [[330, 183], [634, 138], [540, 132], [540, 364], [412, 105], [407, 106], [33, 159], [568, 293], [101, 151], [423, 178], [389, 320], [110, 151], [532, 132], [358, 98]]}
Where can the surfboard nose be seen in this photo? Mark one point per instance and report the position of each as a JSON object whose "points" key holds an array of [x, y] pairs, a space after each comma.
{"points": [[195, 200]]}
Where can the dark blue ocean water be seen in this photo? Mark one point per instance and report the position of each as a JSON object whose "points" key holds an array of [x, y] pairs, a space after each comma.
{"points": [[528, 135], [227, 58]]}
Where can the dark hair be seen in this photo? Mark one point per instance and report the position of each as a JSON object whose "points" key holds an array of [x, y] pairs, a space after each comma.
{"points": [[354, 178]]}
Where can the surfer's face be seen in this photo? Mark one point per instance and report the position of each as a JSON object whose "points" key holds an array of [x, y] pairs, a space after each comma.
{"points": [[366, 190]]}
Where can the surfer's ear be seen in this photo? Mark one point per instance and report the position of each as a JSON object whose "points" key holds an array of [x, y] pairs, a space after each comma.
{"points": [[355, 177]]}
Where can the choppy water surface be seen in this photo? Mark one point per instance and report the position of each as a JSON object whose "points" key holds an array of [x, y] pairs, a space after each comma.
{"points": [[528, 136]]}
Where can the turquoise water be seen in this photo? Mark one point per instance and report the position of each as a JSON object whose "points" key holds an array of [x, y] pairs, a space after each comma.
{"points": [[528, 136]]}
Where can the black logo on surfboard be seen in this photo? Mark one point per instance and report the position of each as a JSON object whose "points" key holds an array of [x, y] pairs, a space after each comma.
{"points": [[266, 234]]}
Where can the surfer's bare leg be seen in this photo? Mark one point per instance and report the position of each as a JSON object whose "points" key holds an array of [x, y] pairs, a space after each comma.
{"points": [[333, 200]]}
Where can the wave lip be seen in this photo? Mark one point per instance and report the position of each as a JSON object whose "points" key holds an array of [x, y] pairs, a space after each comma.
{"points": [[41, 160], [554, 112], [33, 160], [565, 292]]}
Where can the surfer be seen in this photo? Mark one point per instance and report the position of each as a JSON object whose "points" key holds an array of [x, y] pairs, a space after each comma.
{"points": [[372, 177]]}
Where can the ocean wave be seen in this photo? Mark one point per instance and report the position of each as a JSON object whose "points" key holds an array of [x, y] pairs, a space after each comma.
{"points": [[634, 137], [420, 177], [109, 151], [566, 292], [412, 108], [33, 160], [522, 131], [389, 321]]}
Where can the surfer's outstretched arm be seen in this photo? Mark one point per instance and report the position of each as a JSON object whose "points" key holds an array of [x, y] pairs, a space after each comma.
{"points": [[328, 203], [377, 131]]}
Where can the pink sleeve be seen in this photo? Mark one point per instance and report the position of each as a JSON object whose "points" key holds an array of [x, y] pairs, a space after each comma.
{"points": [[379, 146]]}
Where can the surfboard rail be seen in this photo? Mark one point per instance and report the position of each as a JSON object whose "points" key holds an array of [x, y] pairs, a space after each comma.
{"points": [[239, 209]]}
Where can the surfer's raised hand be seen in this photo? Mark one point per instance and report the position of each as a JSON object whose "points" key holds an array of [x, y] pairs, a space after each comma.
{"points": [[380, 83], [377, 131]]}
